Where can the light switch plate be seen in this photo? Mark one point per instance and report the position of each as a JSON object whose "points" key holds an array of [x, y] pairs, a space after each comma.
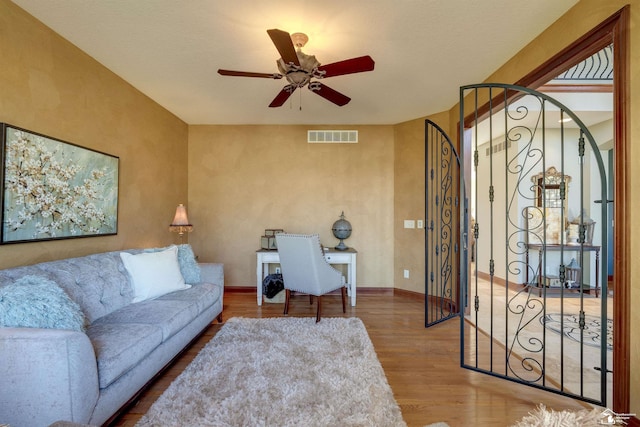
{"points": [[409, 223]]}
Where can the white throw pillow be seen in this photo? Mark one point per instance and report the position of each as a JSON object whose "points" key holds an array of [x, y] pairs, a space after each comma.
{"points": [[154, 274]]}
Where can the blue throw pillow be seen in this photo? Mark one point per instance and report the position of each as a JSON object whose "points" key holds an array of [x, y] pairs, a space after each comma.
{"points": [[188, 264], [37, 302]]}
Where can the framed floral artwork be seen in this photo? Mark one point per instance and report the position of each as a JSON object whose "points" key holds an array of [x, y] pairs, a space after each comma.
{"points": [[52, 189]]}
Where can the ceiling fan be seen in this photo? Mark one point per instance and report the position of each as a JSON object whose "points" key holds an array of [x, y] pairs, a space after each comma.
{"points": [[299, 69]]}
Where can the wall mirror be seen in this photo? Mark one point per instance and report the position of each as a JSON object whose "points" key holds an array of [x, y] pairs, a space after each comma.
{"points": [[546, 220], [551, 188]]}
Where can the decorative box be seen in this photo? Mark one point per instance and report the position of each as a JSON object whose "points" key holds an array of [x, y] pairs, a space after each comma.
{"points": [[272, 231], [268, 241]]}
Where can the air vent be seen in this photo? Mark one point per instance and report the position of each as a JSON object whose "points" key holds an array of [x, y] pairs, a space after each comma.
{"points": [[496, 147], [332, 136]]}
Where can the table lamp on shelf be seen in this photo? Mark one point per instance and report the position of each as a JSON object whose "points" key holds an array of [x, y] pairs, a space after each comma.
{"points": [[180, 223]]}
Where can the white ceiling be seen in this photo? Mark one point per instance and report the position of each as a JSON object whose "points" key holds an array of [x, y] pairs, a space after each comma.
{"points": [[424, 51]]}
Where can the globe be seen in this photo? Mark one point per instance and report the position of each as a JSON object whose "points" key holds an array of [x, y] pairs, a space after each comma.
{"points": [[341, 230]]}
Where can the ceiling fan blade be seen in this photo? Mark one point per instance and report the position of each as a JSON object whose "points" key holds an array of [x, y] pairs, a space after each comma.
{"points": [[282, 97], [348, 66], [282, 41], [329, 94], [249, 74]]}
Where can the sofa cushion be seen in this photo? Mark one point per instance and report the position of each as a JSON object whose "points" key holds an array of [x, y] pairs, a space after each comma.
{"points": [[169, 316], [189, 266], [120, 347], [202, 296], [37, 302], [154, 273]]}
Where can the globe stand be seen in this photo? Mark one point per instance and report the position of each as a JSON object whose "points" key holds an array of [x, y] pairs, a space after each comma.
{"points": [[341, 230]]}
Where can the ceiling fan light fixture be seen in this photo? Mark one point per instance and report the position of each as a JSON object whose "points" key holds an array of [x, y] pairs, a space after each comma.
{"points": [[299, 68], [298, 78], [299, 75], [299, 40]]}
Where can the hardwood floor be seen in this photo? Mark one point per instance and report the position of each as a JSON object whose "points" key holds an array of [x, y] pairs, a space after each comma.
{"points": [[564, 358], [421, 365]]}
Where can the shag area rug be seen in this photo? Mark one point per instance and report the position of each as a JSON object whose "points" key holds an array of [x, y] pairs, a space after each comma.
{"points": [[543, 417], [281, 372]]}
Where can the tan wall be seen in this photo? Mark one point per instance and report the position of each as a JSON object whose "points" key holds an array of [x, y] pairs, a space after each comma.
{"points": [[583, 17], [245, 179], [409, 195], [49, 86]]}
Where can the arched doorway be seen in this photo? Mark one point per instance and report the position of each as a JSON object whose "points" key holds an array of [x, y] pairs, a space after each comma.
{"points": [[614, 31]]}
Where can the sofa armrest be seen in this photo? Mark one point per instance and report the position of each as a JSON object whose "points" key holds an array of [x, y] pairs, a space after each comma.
{"points": [[47, 375], [212, 273]]}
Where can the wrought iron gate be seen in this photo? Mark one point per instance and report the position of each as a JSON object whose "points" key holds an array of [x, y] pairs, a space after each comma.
{"points": [[536, 311], [442, 236]]}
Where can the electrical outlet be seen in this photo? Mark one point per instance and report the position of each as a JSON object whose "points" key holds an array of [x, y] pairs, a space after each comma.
{"points": [[406, 274], [420, 224], [277, 270]]}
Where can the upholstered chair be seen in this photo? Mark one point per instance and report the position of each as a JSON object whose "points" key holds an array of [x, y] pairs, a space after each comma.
{"points": [[305, 270]]}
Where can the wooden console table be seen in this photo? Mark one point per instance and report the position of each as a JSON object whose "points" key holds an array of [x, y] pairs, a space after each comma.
{"points": [[333, 256], [566, 248]]}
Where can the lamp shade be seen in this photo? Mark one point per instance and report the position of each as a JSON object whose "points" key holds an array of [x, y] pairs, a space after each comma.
{"points": [[180, 217], [180, 223]]}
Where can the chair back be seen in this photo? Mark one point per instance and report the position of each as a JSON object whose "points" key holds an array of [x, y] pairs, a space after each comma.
{"points": [[304, 268]]}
